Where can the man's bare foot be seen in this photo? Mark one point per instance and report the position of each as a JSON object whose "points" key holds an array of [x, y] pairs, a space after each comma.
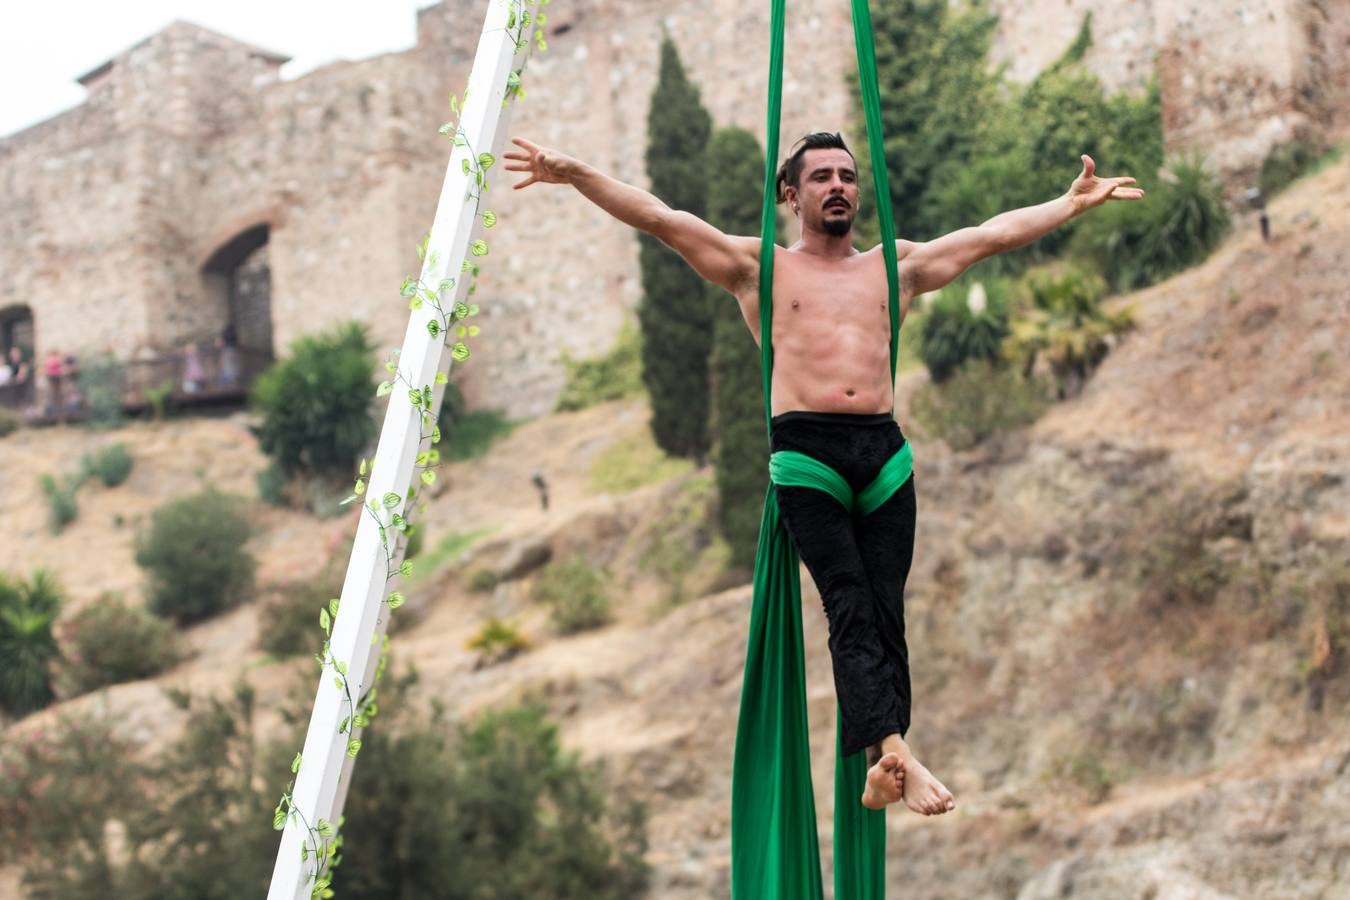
{"points": [[923, 793], [885, 782]]}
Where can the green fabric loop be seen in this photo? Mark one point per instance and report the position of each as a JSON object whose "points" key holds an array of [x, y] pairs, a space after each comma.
{"points": [[788, 468], [775, 854]]}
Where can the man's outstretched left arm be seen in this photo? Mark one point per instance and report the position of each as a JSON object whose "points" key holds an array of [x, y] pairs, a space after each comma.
{"points": [[933, 264]]}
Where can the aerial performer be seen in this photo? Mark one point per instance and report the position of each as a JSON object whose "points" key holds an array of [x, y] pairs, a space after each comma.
{"points": [[832, 396]]}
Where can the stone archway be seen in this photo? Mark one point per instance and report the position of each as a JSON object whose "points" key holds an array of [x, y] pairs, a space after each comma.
{"points": [[16, 331], [238, 279]]}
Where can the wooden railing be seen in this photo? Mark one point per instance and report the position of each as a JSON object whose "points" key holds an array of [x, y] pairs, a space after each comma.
{"points": [[225, 375]]}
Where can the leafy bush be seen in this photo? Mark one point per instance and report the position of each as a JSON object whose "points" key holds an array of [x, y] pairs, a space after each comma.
{"points": [[61, 506], [959, 325], [1059, 317], [288, 621], [475, 433], [272, 483], [158, 397], [578, 593], [1177, 225], [515, 816], [615, 375], [482, 581], [9, 423], [1286, 163], [195, 557], [109, 642], [493, 809], [110, 465], [497, 641], [101, 386], [27, 646], [316, 405], [976, 403]]}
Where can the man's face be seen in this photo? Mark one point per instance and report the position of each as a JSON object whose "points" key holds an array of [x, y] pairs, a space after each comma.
{"points": [[827, 198]]}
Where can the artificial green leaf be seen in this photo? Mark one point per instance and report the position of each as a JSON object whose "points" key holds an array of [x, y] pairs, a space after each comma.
{"points": [[465, 167], [489, 219], [409, 287], [325, 621], [384, 388], [465, 266], [442, 378], [390, 500], [428, 476], [446, 128], [396, 600], [473, 331], [460, 351], [461, 331], [436, 435], [391, 366], [333, 605], [486, 160], [415, 397], [353, 747], [433, 327], [479, 247], [461, 310], [278, 819], [422, 247], [406, 569], [363, 464], [445, 285], [360, 487]]}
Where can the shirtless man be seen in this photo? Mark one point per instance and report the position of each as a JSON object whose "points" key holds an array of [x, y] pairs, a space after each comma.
{"points": [[832, 399]]}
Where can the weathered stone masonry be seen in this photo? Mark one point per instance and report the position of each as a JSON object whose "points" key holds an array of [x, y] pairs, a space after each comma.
{"points": [[189, 150]]}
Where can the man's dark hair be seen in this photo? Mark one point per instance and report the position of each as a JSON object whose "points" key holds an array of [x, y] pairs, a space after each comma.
{"points": [[790, 172]]}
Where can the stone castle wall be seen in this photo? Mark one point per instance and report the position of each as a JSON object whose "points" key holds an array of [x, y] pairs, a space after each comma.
{"points": [[188, 140]]}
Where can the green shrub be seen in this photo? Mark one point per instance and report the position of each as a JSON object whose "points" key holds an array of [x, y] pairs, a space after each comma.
{"points": [[272, 485], [497, 641], [516, 817], [316, 405], [101, 380], [1059, 316], [956, 328], [195, 558], [27, 647], [578, 593], [1287, 163], [680, 539], [288, 620], [110, 465], [475, 433], [158, 397], [615, 375], [109, 642], [976, 403], [482, 581], [61, 506], [9, 423], [1177, 225]]}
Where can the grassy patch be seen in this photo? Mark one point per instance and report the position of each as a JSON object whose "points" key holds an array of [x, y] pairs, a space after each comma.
{"points": [[613, 376], [633, 462], [446, 551], [474, 433]]}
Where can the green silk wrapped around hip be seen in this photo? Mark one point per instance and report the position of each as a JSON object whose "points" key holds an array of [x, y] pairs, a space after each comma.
{"points": [[775, 852]]}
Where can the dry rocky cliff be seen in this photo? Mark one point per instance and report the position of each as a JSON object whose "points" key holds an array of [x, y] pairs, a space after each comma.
{"points": [[1123, 621]]}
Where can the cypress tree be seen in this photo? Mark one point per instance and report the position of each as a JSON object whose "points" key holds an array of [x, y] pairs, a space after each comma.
{"points": [[673, 314], [740, 449]]}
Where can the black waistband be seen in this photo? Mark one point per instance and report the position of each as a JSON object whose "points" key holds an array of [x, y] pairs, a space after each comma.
{"points": [[829, 418]]}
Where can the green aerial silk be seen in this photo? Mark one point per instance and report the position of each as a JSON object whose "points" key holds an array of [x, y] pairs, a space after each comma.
{"points": [[775, 854]]}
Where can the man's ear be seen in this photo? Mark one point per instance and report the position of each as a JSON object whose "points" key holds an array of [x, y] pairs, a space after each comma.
{"points": [[790, 197]]}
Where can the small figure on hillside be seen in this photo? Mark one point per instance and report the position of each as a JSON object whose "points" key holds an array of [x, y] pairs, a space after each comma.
{"points": [[537, 479], [193, 376], [71, 376]]}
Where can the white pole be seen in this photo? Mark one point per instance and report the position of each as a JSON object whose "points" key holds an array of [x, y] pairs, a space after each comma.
{"points": [[358, 628]]}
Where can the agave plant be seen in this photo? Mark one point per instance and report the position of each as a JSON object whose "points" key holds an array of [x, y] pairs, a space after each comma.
{"points": [[27, 646], [1060, 319]]}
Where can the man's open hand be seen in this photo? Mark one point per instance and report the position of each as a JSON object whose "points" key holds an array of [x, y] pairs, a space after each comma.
{"points": [[1088, 190], [544, 165]]}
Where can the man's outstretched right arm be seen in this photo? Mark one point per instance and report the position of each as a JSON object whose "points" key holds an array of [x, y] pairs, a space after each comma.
{"points": [[725, 260]]}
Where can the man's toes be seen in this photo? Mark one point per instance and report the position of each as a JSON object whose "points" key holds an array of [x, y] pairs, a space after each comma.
{"points": [[890, 762]]}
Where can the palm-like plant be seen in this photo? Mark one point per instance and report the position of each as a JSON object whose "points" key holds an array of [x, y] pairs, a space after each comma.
{"points": [[1060, 318], [27, 646]]}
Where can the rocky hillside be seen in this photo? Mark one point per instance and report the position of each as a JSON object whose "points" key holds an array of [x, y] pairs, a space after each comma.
{"points": [[1128, 623]]}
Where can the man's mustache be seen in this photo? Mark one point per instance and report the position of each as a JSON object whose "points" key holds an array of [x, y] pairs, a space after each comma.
{"points": [[837, 201]]}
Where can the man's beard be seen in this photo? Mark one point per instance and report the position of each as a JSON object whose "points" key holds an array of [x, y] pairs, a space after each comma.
{"points": [[838, 227]]}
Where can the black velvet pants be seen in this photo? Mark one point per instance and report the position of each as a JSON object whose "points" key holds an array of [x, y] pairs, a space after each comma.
{"points": [[859, 564]]}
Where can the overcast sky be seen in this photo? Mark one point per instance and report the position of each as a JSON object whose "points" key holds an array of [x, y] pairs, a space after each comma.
{"points": [[46, 45]]}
